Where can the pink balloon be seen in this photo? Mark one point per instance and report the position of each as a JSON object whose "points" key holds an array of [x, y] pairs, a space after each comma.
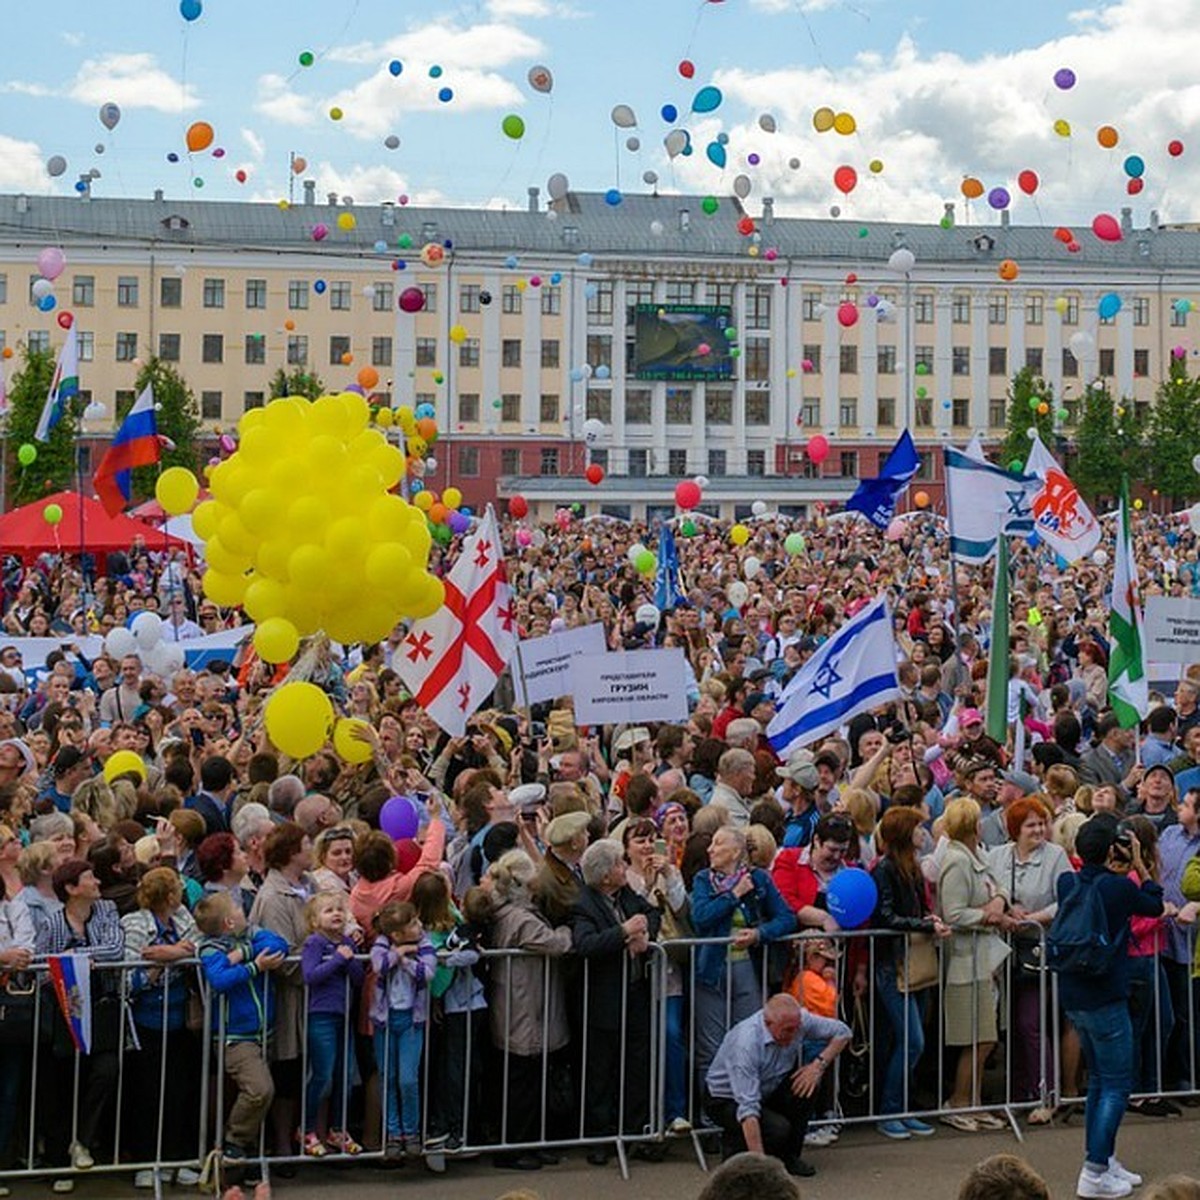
{"points": [[524, 537], [1106, 228], [895, 530], [818, 448], [847, 314], [50, 262], [320, 231]]}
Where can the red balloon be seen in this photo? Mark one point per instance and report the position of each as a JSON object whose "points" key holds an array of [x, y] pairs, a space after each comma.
{"points": [[1028, 181], [1064, 235], [687, 494], [687, 68], [240, 176], [518, 507], [847, 314], [818, 448], [66, 320], [845, 179], [1175, 148], [594, 474], [1106, 227], [746, 226], [1133, 186], [412, 300]]}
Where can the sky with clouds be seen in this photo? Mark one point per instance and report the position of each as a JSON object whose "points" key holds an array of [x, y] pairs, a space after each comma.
{"points": [[937, 90]]}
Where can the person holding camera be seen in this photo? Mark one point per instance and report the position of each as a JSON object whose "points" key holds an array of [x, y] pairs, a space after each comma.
{"points": [[1086, 945]]}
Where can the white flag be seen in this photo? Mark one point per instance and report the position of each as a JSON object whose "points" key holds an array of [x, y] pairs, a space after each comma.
{"points": [[1061, 517], [451, 661], [982, 500]]}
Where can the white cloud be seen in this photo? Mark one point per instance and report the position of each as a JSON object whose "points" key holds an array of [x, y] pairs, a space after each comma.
{"points": [[773, 7], [132, 81], [505, 10], [370, 185], [258, 148], [277, 101], [22, 165], [72, 39]]}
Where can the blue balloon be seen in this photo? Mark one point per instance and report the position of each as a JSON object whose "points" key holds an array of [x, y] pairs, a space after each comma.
{"points": [[189, 10], [851, 897], [716, 154], [687, 150], [395, 66], [613, 197], [556, 278], [81, 186], [381, 247], [585, 259], [446, 95], [603, 372], [590, 291], [319, 287], [400, 818], [576, 374], [510, 262], [425, 410], [670, 113], [1109, 306], [723, 138], [172, 157], [1135, 166], [707, 100], [47, 304]]}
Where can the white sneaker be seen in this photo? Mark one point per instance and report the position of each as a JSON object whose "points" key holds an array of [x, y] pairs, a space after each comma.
{"points": [[1101, 1187], [820, 1137], [1121, 1172], [187, 1177], [680, 1125], [143, 1180], [61, 1187], [81, 1158]]}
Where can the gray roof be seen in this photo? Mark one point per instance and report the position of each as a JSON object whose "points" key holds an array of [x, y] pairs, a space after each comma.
{"points": [[585, 222]]}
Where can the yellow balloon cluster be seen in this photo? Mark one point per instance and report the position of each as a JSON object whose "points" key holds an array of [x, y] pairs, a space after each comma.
{"points": [[303, 532]]}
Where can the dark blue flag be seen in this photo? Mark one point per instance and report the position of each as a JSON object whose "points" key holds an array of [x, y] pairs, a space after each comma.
{"points": [[667, 592], [876, 498]]}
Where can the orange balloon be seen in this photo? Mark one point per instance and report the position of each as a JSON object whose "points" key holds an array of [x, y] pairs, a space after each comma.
{"points": [[368, 377], [972, 188], [347, 359], [199, 136], [299, 165], [921, 499], [438, 513], [1009, 269], [289, 325], [427, 429], [1107, 136]]}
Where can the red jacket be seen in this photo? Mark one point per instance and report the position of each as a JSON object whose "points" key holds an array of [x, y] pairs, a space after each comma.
{"points": [[797, 881]]}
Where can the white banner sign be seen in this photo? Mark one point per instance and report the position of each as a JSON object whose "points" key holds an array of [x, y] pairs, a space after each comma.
{"points": [[628, 686], [1172, 630], [542, 668]]}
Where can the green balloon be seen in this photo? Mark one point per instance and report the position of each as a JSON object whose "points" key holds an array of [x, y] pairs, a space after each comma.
{"points": [[1033, 403], [404, 241], [1015, 465], [730, 333], [645, 562], [306, 58], [513, 126], [864, 232], [710, 204], [688, 528], [922, 369], [946, 223], [794, 543], [922, 392], [1063, 414], [27, 454], [52, 514]]}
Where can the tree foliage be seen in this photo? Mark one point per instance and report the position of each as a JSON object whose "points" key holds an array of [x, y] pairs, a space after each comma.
{"points": [[1028, 395], [1109, 442], [54, 468], [1174, 434], [297, 382]]}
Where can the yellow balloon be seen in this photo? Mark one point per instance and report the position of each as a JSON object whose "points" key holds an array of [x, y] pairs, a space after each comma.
{"points": [[845, 124], [264, 599], [1062, 128], [276, 640], [458, 333], [433, 597], [346, 221], [298, 718], [739, 535], [383, 418], [1061, 305], [823, 120], [205, 518], [875, 166], [388, 566], [226, 590], [124, 762], [452, 497], [424, 500], [176, 490], [349, 748]]}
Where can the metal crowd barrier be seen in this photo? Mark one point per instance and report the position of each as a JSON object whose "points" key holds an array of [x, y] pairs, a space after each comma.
{"points": [[513, 1103]]}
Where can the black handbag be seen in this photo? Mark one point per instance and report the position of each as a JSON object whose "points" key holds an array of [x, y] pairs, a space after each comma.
{"points": [[1027, 951], [18, 1000]]}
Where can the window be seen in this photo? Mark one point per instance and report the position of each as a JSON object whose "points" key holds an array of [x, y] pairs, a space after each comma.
{"points": [[885, 360], [923, 308], [551, 301], [599, 350], [925, 469], [170, 292], [549, 460], [339, 295], [510, 352], [510, 299], [381, 352], [679, 406], [256, 350], [3, 288], [126, 347], [297, 293], [758, 408], [923, 411], [510, 407], [716, 463], [960, 308], [83, 291], [812, 355], [210, 406], [1034, 309], [886, 407], [679, 291], [87, 345], [637, 407], [960, 410], [923, 357], [848, 359], [960, 360], [810, 306], [997, 309], [339, 347], [127, 291], [382, 297], [38, 340], [599, 405], [468, 298], [758, 306], [468, 461], [256, 293], [997, 414], [721, 293], [468, 352], [1141, 362], [1071, 316], [429, 291], [1034, 358], [757, 357], [848, 464], [426, 352], [550, 354], [718, 406], [510, 460], [756, 463], [639, 463], [1070, 364], [600, 301], [810, 414], [468, 407], [549, 411], [1108, 362], [1178, 315], [637, 292], [214, 293], [252, 400], [997, 360], [297, 350], [212, 348], [847, 411], [1141, 310], [677, 462]]}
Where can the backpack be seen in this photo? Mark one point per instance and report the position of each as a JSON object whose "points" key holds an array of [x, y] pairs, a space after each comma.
{"points": [[1078, 941]]}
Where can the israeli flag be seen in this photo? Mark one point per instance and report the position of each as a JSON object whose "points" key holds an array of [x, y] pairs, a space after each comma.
{"points": [[981, 500], [852, 672]]}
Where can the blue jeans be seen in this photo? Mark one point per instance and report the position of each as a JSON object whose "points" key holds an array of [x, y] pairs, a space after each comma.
{"points": [[398, 1055], [675, 1096], [908, 1039], [326, 1069], [1106, 1035]]}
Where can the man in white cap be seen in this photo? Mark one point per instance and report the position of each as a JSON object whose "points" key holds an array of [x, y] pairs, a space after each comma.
{"points": [[799, 795], [559, 881]]}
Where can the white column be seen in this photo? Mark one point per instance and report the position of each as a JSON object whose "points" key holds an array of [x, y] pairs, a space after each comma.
{"points": [[1016, 330], [1089, 320], [1055, 338], [736, 464], [616, 435], [489, 353], [943, 360], [868, 372], [1122, 383], [830, 362], [980, 380]]}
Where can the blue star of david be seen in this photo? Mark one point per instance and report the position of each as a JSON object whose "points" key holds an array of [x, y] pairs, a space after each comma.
{"points": [[827, 679], [1016, 504]]}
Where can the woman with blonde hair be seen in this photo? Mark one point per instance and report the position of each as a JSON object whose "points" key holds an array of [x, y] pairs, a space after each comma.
{"points": [[859, 805], [1061, 785]]}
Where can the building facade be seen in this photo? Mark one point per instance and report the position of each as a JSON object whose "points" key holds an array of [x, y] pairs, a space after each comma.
{"points": [[526, 332]]}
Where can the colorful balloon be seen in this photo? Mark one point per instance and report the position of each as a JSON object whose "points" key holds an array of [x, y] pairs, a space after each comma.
{"points": [[176, 490], [1106, 227], [707, 99], [1064, 79], [1107, 136], [845, 179], [199, 136], [818, 448], [1028, 182]]}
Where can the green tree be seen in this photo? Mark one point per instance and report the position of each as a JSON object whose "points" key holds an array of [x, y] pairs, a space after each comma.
{"points": [[1174, 429], [296, 383], [177, 417], [54, 468], [1109, 442], [1028, 394]]}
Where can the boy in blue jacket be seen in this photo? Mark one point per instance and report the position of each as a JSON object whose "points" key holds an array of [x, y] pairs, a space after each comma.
{"points": [[235, 960]]}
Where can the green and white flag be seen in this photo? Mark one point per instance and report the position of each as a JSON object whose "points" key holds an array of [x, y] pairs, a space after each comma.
{"points": [[1127, 689], [998, 653]]}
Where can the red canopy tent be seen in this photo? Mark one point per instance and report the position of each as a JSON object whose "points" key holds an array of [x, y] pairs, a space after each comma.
{"points": [[26, 532]]}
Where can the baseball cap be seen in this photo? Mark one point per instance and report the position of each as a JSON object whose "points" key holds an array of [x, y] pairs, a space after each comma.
{"points": [[1026, 782], [1160, 767], [527, 795], [969, 716], [801, 772]]}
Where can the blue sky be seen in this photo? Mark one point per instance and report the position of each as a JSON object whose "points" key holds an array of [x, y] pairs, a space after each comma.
{"points": [[938, 90]]}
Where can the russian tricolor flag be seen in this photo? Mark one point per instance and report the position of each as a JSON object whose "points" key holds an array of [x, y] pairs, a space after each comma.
{"points": [[72, 979], [136, 445]]}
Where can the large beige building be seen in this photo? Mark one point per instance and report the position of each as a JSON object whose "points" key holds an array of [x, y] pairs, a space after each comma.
{"points": [[527, 330]]}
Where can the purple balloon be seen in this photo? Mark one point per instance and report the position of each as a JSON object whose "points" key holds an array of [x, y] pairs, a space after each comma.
{"points": [[1064, 78], [399, 818], [999, 197], [354, 387], [459, 522]]}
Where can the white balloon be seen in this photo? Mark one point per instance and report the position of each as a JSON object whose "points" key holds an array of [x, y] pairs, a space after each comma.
{"points": [[737, 593], [767, 123], [633, 144], [751, 567], [155, 659], [593, 430], [902, 261], [42, 287], [147, 629], [55, 165], [1081, 343], [369, 291], [94, 411], [634, 551], [675, 142], [741, 187], [759, 508], [647, 614], [1196, 463], [118, 642], [656, 228], [701, 481], [622, 117], [558, 185], [538, 538], [1193, 516], [650, 177], [1100, 557], [173, 655]]}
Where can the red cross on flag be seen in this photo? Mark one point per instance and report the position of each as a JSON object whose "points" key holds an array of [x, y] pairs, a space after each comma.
{"points": [[451, 661]]}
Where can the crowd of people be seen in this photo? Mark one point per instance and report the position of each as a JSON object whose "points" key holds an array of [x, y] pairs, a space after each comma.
{"points": [[579, 905]]}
